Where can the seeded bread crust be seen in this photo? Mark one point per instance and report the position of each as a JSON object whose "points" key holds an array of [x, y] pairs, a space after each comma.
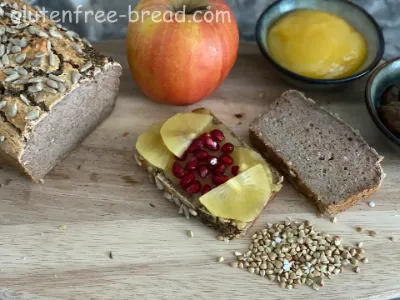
{"points": [[259, 138], [191, 206], [42, 65]]}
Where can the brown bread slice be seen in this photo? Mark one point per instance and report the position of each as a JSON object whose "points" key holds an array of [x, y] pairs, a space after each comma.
{"points": [[190, 205], [322, 156]]}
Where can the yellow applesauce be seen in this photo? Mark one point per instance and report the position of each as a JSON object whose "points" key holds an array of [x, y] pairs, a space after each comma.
{"points": [[316, 44]]}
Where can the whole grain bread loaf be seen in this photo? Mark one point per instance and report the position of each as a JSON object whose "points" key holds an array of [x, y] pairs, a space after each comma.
{"points": [[321, 155], [55, 89], [190, 206]]}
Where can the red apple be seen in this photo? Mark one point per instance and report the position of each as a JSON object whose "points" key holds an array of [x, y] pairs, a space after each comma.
{"points": [[179, 58]]}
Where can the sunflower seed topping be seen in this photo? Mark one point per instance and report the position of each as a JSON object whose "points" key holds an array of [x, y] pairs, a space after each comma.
{"points": [[32, 30], [21, 71], [75, 76], [43, 34], [61, 87], [9, 71], [49, 46], [24, 99], [55, 34], [51, 83], [3, 104], [32, 115], [12, 111], [2, 49], [86, 42], [37, 62], [19, 59], [50, 90], [2, 30], [5, 60], [16, 49], [71, 35], [22, 26], [2, 138], [78, 49], [56, 78], [86, 67], [40, 54], [12, 77]]}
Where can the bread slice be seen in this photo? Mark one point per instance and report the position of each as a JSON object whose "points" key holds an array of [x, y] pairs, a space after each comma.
{"points": [[55, 89], [322, 156], [190, 205]]}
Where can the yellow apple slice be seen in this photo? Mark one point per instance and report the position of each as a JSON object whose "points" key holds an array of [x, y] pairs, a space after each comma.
{"points": [[151, 146], [246, 158], [179, 131], [241, 198]]}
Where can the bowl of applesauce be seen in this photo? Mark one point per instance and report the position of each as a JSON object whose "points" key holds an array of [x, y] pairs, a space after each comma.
{"points": [[324, 43]]}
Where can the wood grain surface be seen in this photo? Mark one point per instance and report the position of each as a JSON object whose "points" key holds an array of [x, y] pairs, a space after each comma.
{"points": [[108, 205]]}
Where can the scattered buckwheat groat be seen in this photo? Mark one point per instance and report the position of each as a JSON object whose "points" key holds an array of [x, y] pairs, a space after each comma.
{"points": [[293, 254]]}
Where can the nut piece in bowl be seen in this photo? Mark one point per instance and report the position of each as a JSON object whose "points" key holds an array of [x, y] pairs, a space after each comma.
{"points": [[382, 98], [319, 44]]}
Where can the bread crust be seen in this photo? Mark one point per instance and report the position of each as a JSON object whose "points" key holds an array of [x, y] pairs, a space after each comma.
{"points": [[190, 206]]}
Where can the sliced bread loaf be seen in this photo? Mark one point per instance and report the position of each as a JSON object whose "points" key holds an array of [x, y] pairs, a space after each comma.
{"points": [[321, 155]]}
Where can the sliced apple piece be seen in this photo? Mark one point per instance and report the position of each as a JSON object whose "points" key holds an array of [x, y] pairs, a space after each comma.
{"points": [[241, 198], [179, 131], [151, 146]]}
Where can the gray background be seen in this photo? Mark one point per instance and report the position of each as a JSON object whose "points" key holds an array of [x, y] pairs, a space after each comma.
{"points": [[386, 12]]}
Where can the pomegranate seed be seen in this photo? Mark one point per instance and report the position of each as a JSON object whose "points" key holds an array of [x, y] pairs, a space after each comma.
{"points": [[183, 158], [212, 160], [235, 170], [206, 189], [219, 169], [187, 180], [203, 171], [217, 135], [178, 170], [226, 160], [204, 137], [196, 145], [227, 148], [201, 154], [192, 164], [195, 187], [219, 179], [212, 145]]}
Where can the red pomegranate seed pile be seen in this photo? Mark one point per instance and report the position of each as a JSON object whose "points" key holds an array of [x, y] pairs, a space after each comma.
{"points": [[206, 164]]}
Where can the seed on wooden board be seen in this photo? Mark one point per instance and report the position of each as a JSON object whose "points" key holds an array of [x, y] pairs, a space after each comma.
{"points": [[357, 269], [167, 196], [192, 212], [186, 212], [177, 201], [12, 111], [190, 233], [234, 264], [334, 219], [365, 260], [372, 233]]}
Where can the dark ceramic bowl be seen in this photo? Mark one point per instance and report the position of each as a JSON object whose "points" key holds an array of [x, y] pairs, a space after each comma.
{"points": [[353, 14], [385, 75]]}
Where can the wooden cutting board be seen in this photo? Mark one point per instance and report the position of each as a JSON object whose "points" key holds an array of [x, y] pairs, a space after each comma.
{"points": [[104, 203]]}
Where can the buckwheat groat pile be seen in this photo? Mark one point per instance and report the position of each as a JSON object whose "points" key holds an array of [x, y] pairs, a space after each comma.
{"points": [[55, 89], [292, 254]]}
